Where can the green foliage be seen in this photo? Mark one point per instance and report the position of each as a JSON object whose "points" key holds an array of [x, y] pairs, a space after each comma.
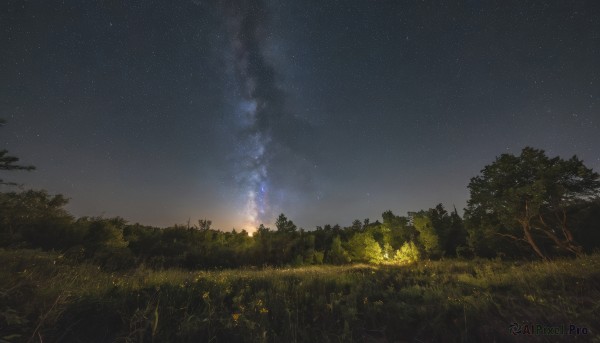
{"points": [[284, 225], [357, 225], [427, 235], [364, 248], [449, 228], [373, 252], [102, 233], [337, 254], [318, 257], [387, 251], [526, 197], [37, 219], [408, 253], [399, 229]]}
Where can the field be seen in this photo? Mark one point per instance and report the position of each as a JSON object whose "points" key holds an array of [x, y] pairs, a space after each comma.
{"points": [[45, 297]]}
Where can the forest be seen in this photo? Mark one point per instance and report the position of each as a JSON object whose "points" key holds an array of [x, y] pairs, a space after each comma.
{"points": [[523, 256]]}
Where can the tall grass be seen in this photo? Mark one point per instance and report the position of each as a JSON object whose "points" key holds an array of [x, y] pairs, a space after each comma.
{"points": [[47, 298]]}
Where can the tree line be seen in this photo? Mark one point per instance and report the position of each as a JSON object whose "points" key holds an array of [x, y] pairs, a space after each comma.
{"points": [[36, 219], [523, 206]]}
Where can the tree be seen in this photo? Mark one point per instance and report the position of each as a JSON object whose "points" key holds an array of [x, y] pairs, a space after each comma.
{"points": [[204, 224], [449, 228], [284, 225], [7, 162], [526, 197], [357, 225], [363, 247], [427, 236], [337, 254], [103, 233], [36, 219], [407, 253], [399, 229]]}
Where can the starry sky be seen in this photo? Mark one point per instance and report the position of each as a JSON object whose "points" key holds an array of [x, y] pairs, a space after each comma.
{"points": [[327, 111]]}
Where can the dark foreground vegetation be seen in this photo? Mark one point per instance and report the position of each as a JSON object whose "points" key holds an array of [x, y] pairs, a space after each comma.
{"points": [[51, 298]]}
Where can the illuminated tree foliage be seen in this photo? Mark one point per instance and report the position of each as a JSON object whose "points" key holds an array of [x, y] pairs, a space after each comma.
{"points": [[364, 248], [408, 253]]}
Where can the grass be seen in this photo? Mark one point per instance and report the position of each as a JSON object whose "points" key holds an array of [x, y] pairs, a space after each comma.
{"points": [[47, 298]]}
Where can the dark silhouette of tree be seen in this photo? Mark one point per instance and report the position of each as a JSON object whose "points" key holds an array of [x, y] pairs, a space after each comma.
{"points": [[284, 225], [337, 254], [449, 228], [526, 198], [399, 229], [35, 218], [8, 162], [204, 224], [357, 225]]}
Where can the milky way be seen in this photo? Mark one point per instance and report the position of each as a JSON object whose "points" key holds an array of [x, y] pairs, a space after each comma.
{"points": [[260, 106]]}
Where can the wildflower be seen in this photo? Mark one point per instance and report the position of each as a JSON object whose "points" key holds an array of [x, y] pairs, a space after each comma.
{"points": [[235, 316], [263, 310], [206, 295]]}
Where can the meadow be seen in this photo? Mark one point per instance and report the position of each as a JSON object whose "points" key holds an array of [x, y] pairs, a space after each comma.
{"points": [[47, 297]]}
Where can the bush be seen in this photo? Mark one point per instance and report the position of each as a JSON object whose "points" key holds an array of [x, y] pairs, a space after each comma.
{"points": [[114, 258], [408, 253]]}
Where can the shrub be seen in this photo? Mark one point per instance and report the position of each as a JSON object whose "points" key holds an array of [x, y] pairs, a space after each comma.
{"points": [[407, 253]]}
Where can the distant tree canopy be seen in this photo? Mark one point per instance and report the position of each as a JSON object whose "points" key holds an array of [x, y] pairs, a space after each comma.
{"points": [[527, 198], [37, 218]]}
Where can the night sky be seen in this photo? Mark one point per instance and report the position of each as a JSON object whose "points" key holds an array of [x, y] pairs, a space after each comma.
{"points": [[327, 111]]}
